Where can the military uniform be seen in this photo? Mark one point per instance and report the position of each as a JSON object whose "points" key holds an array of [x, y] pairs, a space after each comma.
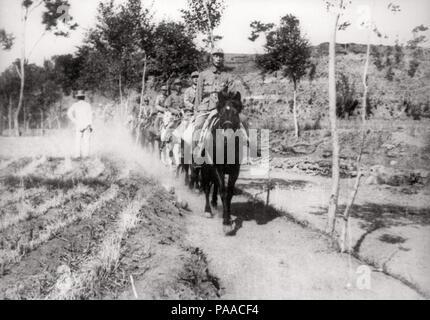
{"points": [[160, 108], [189, 100], [212, 81], [174, 102], [160, 102]]}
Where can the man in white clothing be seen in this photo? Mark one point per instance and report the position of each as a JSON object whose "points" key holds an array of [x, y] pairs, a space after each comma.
{"points": [[80, 113]]}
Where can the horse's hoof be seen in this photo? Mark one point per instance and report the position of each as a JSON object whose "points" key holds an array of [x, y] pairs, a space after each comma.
{"points": [[228, 229], [208, 215]]}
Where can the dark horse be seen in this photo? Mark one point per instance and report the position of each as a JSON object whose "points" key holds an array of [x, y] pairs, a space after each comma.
{"points": [[213, 173], [150, 136]]}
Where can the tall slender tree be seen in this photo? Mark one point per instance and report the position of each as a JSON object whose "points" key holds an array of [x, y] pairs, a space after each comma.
{"points": [[369, 25], [337, 7], [52, 12], [287, 50], [203, 16]]}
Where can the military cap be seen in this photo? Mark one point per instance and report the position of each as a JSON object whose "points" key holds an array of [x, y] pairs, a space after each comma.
{"points": [[195, 74], [217, 50]]}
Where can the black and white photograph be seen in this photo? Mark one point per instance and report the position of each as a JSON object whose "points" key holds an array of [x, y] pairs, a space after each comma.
{"points": [[226, 151]]}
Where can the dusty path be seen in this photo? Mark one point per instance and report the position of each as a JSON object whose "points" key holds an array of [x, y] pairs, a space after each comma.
{"points": [[271, 257]]}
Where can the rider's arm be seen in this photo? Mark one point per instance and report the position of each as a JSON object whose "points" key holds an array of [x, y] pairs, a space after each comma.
{"points": [[199, 92], [189, 100], [158, 106]]}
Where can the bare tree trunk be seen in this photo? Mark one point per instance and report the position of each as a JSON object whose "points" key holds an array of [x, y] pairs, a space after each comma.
{"points": [[142, 92], [345, 227], [21, 72], [24, 116], [296, 124], [60, 108], [331, 215], [42, 122], [2, 118], [9, 115], [120, 93]]}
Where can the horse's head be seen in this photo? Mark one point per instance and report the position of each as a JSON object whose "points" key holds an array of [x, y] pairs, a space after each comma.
{"points": [[229, 106]]}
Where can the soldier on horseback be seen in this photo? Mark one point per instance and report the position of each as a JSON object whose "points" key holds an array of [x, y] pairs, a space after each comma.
{"points": [[212, 81], [190, 94], [160, 107], [175, 102]]}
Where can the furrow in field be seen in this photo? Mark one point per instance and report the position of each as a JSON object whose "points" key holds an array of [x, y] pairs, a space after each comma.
{"points": [[10, 197], [15, 165], [26, 211], [8, 256], [78, 285], [31, 167]]}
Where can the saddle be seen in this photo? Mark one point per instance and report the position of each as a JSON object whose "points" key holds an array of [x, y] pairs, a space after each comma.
{"points": [[189, 136]]}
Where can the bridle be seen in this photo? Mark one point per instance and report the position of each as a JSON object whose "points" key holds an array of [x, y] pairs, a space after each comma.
{"points": [[226, 122]]}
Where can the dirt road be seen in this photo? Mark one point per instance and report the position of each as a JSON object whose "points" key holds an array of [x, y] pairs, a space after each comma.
{"points": [[271, 257]]}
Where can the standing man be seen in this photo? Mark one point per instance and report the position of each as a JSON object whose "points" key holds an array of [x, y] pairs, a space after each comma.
{"points": [[80, 113]]}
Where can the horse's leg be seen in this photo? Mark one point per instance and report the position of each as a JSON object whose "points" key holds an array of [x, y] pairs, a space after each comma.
{"points": [[178, 170], [186, 168], [192, 181], [207, 189], [215, 196], [226, 221], [159, 147], [230, 188], [177, 157], [171, 155]]}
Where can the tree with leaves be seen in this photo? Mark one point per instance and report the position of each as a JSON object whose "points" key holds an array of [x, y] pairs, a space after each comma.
{"points": [[43, 91], [127, 45], [414, 46], [50, 19], [203, 16], [176, 52], [398, 53], [6, 40], [286, 50], [116, 49]]}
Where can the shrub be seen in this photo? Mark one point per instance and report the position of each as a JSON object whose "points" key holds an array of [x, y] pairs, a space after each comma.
{"points": [[346, 102]]}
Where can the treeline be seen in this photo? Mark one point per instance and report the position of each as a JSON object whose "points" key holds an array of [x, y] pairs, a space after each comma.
{"points": [[125, 42]]}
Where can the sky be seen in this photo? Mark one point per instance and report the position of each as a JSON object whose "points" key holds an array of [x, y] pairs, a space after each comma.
{"points": [[234, 28]]}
